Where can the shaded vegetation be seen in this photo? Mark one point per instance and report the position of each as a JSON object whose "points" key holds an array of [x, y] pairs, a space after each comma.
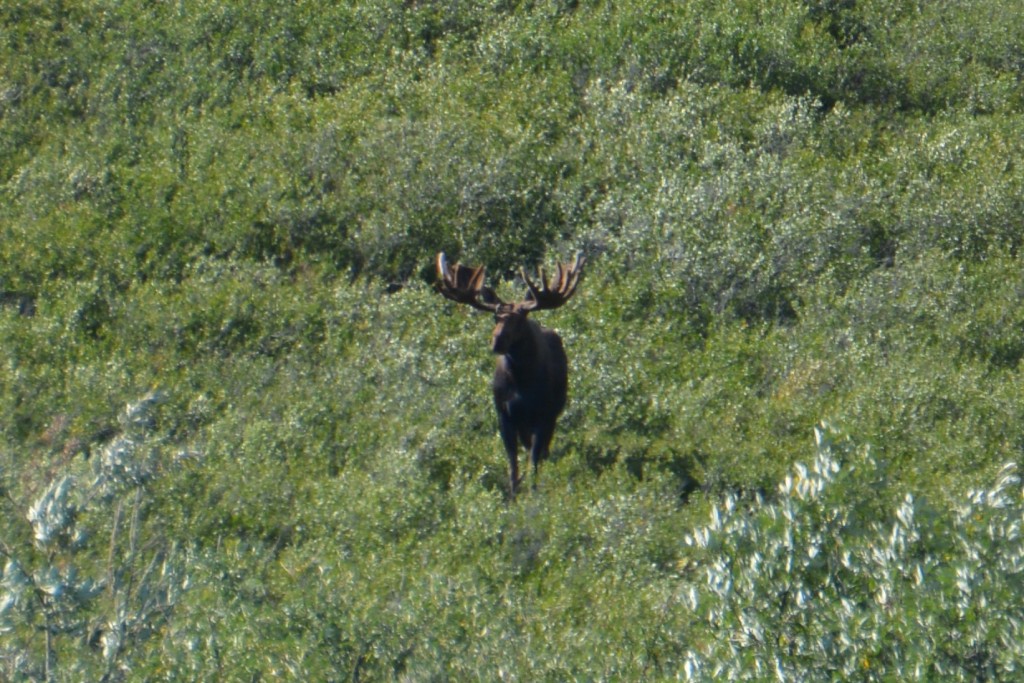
{"points": [[242, 438]]}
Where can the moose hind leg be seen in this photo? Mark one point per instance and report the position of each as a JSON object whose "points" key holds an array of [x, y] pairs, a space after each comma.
{"points": [[539, 450]]}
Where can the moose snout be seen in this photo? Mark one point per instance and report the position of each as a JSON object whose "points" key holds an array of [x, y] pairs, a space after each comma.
{"points": [[498, 343]]}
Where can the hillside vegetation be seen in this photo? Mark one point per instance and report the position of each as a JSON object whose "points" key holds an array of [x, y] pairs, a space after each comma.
{"points": [[243, 439]]}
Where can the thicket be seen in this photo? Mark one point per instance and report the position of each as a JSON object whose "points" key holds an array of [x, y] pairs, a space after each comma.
{"points": [[240, 437]]}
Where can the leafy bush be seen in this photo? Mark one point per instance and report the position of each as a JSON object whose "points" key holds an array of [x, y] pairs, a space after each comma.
{"points": [[828, 580], [84, 595], [792, 212]]}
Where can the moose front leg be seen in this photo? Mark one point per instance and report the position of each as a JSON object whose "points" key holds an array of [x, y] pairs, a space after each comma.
{"points": [[535, 458], [513, 474], [511, 441]]}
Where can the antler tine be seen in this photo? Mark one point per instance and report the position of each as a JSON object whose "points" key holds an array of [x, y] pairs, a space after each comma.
{"points": [[562, 277], [556, 292], [530, 286], [465, 285], [575, 273], [442, 266]]}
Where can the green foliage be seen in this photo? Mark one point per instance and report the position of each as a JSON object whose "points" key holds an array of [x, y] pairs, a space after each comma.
{"points": [[826, 580], [792, 211], [66, 609]]}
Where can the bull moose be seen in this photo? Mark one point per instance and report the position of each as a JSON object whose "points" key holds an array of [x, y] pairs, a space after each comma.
{"points": [[531, 377]]}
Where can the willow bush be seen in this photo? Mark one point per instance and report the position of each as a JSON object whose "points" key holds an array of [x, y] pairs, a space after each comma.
{"points": [[792, 213]]}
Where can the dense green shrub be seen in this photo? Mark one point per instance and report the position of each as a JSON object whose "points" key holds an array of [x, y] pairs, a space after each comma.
{"points": [[827, 582], [793, 212], [88, 588]]}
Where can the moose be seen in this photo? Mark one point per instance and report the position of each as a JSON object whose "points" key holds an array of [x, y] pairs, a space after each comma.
{"points": [[532, 373]]}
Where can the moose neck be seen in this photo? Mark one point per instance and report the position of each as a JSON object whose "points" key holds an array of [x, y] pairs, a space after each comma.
{"points": [[523, 354]]}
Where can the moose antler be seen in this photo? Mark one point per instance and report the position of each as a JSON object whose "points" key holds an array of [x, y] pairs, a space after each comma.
{"points": [[559, 290], [465, 285]]}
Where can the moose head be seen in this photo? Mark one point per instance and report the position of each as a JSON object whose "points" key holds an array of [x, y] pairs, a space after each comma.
{"points": [[531, 379]]}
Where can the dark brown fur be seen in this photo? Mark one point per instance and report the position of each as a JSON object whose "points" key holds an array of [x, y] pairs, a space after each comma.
{"points": [[530, 388], [532, 374]]}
